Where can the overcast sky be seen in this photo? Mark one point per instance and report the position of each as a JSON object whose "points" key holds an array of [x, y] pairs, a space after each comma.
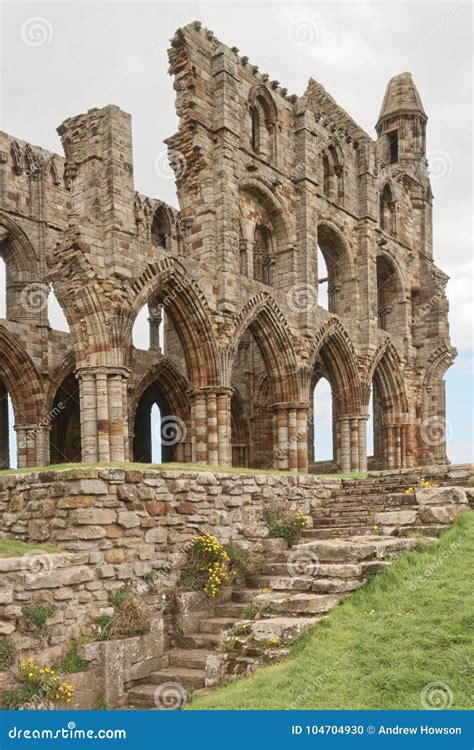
{"points": [[62, 58]]}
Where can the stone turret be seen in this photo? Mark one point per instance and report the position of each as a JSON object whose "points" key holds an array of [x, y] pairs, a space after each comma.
{"points": [[401, 125]]}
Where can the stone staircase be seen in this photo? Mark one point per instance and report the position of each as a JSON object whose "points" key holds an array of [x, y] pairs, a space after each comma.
{"points": [[359, 530], [300, 586]]}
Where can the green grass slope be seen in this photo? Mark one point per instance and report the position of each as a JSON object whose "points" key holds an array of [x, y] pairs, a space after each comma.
{"points": [[408, 628]]}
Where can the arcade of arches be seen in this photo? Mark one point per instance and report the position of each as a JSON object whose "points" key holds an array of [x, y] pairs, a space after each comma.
{"points": [[299, 256]]}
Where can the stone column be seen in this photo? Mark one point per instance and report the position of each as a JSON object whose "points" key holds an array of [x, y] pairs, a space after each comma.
{"points": [[354, 438], [211, 425], [302, 417], [104, 414], [154, 321], [290, 436], [344, 459], [4, 429], [363, 443]]}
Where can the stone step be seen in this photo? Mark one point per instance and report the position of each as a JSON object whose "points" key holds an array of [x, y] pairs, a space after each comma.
{"points": [[281, 583], [194, 678], [289, 604], [216, 624], [230, 609], [192, 658], [335, 585], [339, 550], [198, 640], [142, 696], [245, 596], [324, 532]]}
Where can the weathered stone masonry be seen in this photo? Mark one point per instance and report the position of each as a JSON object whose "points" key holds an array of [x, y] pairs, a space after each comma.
{"points": [[263, 180]]}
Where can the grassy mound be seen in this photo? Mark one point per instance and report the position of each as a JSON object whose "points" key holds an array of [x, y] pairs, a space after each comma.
{"points": [[408, 628]]}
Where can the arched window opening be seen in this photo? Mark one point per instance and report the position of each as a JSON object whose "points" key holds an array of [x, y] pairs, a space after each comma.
{"points": [[239, 431], [335, 273], [393, 146], [323, 283], [156, 448], [333, 174], [3, 289], [390, 312], [8, 458], [255, 129], [148, 329], [65, 434], [160, 434], [56, 317], [326, 176], [262, 256], [161, 229], [387, 210], [262, 120], [370, 430], [251, 418], [322, 421]]}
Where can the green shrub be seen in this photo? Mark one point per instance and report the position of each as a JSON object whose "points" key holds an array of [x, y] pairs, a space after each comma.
{"points": [[207, 566], [7, 654], [72, 662], [100, 704], [285, 524], [131, 617], [37, 616]]}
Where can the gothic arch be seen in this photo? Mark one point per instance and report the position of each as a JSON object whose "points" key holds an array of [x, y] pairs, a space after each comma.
{"points": [[334, 348], [262, 316], [386, 372], [265, 193], [162, 384], [21, 253], [21, 379], [169, 284]]}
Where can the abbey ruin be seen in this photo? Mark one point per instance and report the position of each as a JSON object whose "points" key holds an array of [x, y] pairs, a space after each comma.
{"points": [[263, 179]]}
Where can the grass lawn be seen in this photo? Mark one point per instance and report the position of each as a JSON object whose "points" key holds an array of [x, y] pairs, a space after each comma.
{"points": [[15, 548], [170, 467], [406, 629]]}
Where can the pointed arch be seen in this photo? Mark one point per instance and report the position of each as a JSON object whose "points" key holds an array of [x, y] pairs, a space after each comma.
{"points": [[162, 227], [164, 385], [170, 285], [262, 316], [18, 249], [332, 345], [21, 379], [386, 372]]}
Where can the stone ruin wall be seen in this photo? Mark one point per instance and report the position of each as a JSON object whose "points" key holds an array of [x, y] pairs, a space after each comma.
{"points": [[263, 179]]}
